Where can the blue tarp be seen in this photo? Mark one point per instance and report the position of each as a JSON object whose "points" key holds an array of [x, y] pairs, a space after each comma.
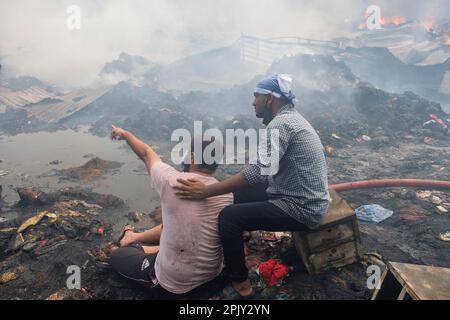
{"points": [[373, 213]]}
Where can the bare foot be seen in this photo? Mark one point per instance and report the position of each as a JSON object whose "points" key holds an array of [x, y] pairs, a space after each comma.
{"points": [[151, 249], [129, 236]]}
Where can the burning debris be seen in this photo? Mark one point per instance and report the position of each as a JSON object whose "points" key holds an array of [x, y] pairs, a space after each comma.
{"points": [[438, 29], [385, 22]]}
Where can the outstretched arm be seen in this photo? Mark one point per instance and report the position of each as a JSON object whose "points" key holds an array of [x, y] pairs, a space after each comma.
{"points": [[142, 150]]}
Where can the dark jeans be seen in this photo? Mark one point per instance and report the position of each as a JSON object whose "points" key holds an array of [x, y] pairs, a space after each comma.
{"points": [[134, 264], [251, 211]]}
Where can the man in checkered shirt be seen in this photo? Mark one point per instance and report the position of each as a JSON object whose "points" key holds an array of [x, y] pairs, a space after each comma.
{"points": [[292, 199]]}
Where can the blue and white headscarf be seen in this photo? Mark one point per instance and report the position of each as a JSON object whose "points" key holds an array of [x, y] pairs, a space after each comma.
{"points": [[278, 85]]}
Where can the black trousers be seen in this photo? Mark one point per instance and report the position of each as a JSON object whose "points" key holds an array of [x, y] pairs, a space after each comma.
{"points": [[134, 264], [251, 211]]}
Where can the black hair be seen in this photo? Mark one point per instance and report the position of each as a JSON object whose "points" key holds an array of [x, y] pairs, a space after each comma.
{"points": [[203, 165]]}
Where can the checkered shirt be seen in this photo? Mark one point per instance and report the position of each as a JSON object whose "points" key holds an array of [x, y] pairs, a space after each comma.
{"points": [[300, 187]]}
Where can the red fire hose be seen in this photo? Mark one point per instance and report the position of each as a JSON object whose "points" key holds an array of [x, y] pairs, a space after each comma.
{"points": [[424, 183]]}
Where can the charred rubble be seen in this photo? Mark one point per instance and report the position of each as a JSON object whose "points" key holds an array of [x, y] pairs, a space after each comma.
{"points": [[94, 168]]}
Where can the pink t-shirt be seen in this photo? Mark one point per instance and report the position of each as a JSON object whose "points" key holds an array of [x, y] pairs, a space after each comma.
{"points": [[190, 251]]}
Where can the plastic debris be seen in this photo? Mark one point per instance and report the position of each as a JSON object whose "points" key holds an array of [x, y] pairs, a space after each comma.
{"points": [[30, 246], [280, 235], [335, 136], [272, 272], [31, 221], [269, 236], [445, 236], [70, 294], [329, 150], [55, 296], [52, 217], [437, 119], [275, 236], [100, 231], [7, 277], [363, 138], [36, 219], [441, 210], [435, 124], [423, 194], [373, 213], [3, 173], [428, 140], [374, 258], [89, 205], [436, 200]]}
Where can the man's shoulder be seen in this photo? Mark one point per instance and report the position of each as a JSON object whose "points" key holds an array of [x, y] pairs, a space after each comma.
{"points": [[290, 119], [161, 172], [162, 167]]}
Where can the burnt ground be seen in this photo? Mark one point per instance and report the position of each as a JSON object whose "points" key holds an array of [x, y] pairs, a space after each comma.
{"points": [[38, 264]]}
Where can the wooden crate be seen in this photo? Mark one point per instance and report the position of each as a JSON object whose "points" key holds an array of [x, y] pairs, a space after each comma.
{"points": [[335, 243], [402, 281]]}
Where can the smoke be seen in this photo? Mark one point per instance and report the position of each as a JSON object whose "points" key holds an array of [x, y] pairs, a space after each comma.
{"points": [[35, 40]]}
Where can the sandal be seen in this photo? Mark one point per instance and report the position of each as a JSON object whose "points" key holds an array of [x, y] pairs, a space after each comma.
{"points": [[230, 293], [125, 228]]}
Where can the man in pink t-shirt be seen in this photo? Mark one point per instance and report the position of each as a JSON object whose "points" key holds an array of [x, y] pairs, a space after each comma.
{"points": [[189, 252]]}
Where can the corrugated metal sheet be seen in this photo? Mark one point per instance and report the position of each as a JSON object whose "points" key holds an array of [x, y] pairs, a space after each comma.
{"points": [[18, 99], [72, 102]]}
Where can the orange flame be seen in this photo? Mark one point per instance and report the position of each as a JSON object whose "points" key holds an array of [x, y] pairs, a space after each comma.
{"points": [[384, 21], [398, 20], [447, 39], [429, 24], [394, 20]]}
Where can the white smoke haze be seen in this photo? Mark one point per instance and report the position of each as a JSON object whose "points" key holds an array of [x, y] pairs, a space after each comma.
{"points": [[34, 38]]}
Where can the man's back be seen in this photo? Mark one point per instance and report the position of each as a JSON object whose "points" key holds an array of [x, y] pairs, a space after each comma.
{"points": [[190, 249]]}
